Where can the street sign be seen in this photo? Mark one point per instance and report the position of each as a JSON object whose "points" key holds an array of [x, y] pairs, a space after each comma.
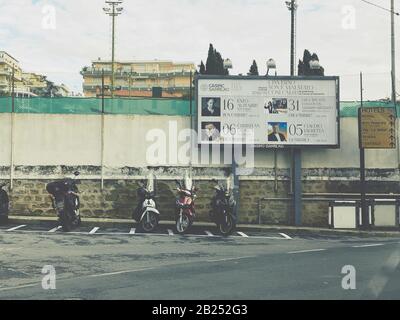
{"points": [[377, 128], [268, 111]]}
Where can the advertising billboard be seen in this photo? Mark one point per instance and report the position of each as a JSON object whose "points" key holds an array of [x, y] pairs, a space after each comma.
{"points": [[268, 111]]}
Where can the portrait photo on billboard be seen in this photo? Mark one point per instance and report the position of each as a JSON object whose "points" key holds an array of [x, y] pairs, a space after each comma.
{"points": [[277, 131], [276, 106], [210, 131], [211, 107]]}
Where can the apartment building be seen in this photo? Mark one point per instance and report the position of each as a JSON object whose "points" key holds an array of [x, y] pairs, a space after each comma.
{"points": [[138, 78]]}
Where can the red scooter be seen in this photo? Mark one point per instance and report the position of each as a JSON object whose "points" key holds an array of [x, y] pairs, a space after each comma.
{"points": [[185, 207]]}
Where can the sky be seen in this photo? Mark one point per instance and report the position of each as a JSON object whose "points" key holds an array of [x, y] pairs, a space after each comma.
{"points": [[59, 37]]}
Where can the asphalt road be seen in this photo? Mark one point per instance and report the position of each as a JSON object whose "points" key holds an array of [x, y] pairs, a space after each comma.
{"points": [[118, 264]]}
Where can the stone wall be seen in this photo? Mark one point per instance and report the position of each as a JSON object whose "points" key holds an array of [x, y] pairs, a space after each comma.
{"points": [[29, 197]]}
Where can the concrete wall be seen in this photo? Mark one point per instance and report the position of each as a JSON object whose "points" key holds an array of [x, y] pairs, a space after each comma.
{"points": [[48, 146]]}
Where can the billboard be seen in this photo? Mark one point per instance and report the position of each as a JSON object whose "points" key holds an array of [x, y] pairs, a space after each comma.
{"points": [[268, 111]]}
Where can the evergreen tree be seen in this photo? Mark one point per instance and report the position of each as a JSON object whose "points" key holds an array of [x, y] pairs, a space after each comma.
{"points": [[202, 68], [304, 68], [211, 61], [253, 69], [215, 63]]}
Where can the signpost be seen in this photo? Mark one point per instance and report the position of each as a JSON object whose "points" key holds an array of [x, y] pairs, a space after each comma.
{"points": [[376, 130]]}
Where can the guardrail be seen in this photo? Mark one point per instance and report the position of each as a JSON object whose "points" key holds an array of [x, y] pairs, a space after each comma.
{"points": [[384, 209]]}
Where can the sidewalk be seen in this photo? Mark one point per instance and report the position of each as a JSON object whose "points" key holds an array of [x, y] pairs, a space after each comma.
{"points": [[291, 230]]}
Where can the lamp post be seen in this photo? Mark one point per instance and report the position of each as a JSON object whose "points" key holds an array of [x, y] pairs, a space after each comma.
{"points": [[271, 64], [113, 11]]}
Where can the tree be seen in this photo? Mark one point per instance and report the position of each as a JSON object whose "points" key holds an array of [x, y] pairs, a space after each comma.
{"points": [[253, 69], [215, 63], [304, 68], [202, 68]]}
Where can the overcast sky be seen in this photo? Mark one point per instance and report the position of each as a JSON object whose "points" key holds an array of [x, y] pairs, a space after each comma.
{"points": [[181, 30]]}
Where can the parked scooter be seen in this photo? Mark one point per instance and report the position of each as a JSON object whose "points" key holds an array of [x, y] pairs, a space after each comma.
{"points": [[66, 203], [185, 206], [146, 213], [223, 209], [4, 204]]}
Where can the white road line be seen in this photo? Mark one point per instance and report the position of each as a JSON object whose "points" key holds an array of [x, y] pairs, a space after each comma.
{"points": [[133, 231], [16, 228], [209, 233], [305, 251], [369, 245], [230, 259], [118, 272], [242, 234], [286, 236], [94, 230], [55, 229], [170, 232]]}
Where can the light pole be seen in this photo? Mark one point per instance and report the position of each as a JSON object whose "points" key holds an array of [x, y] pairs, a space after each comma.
{"points": [[271, 64], [113, 10], [292, 6]]}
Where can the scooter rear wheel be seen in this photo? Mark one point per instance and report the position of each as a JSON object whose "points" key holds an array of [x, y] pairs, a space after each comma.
{"points": [[184, 224]]}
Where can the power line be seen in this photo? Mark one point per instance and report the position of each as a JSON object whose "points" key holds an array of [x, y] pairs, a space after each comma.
{"points": [[380, 7]]}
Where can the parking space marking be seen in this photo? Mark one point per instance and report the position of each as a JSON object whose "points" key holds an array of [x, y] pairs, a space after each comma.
{"points": [[55, 229], [242, 234], [94, 230], [305, 251], [170, 232], [209, 233], [369, 245], [133, 231], [286, 236], [16, 228]]}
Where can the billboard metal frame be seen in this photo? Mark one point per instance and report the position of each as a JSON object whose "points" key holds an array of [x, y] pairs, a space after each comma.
{"points": [[250, 78]]}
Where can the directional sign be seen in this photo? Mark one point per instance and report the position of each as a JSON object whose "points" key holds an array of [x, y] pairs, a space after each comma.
{"points": [[377, 128]]}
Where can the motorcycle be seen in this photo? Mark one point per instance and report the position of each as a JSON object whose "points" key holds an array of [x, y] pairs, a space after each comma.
{"points": [[65, 199], [223, 209], [4, 204], [146, 213], [185, 206]]}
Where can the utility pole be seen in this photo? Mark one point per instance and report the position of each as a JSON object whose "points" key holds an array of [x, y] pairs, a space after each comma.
{"points": [[393, 45], [113, 11]]}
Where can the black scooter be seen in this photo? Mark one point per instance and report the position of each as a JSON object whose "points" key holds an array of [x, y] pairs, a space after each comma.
{"points": [[66, 203], [4, 204], [223, 209]]}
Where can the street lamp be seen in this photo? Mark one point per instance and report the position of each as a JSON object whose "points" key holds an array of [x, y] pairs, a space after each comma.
{"points": [[113, 11], [271, 64], [228, 64]]}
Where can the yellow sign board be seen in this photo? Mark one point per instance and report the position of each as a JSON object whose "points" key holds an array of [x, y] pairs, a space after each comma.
{"points": [[377, 128]]}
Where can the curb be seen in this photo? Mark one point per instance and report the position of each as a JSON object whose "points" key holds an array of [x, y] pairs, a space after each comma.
{"points": [[102, 222]]}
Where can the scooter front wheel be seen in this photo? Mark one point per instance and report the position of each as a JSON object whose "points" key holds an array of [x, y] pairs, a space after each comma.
{"points": [[227, 226], [149, 222], [183, 223]]}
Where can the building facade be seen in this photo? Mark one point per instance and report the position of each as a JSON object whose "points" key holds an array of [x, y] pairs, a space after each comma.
{"points": [[7, 64], [26, 84], [138, 78]]}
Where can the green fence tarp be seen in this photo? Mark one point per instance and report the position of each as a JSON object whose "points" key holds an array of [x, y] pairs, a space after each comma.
{"points": [[94, 106], [139, 106]]}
